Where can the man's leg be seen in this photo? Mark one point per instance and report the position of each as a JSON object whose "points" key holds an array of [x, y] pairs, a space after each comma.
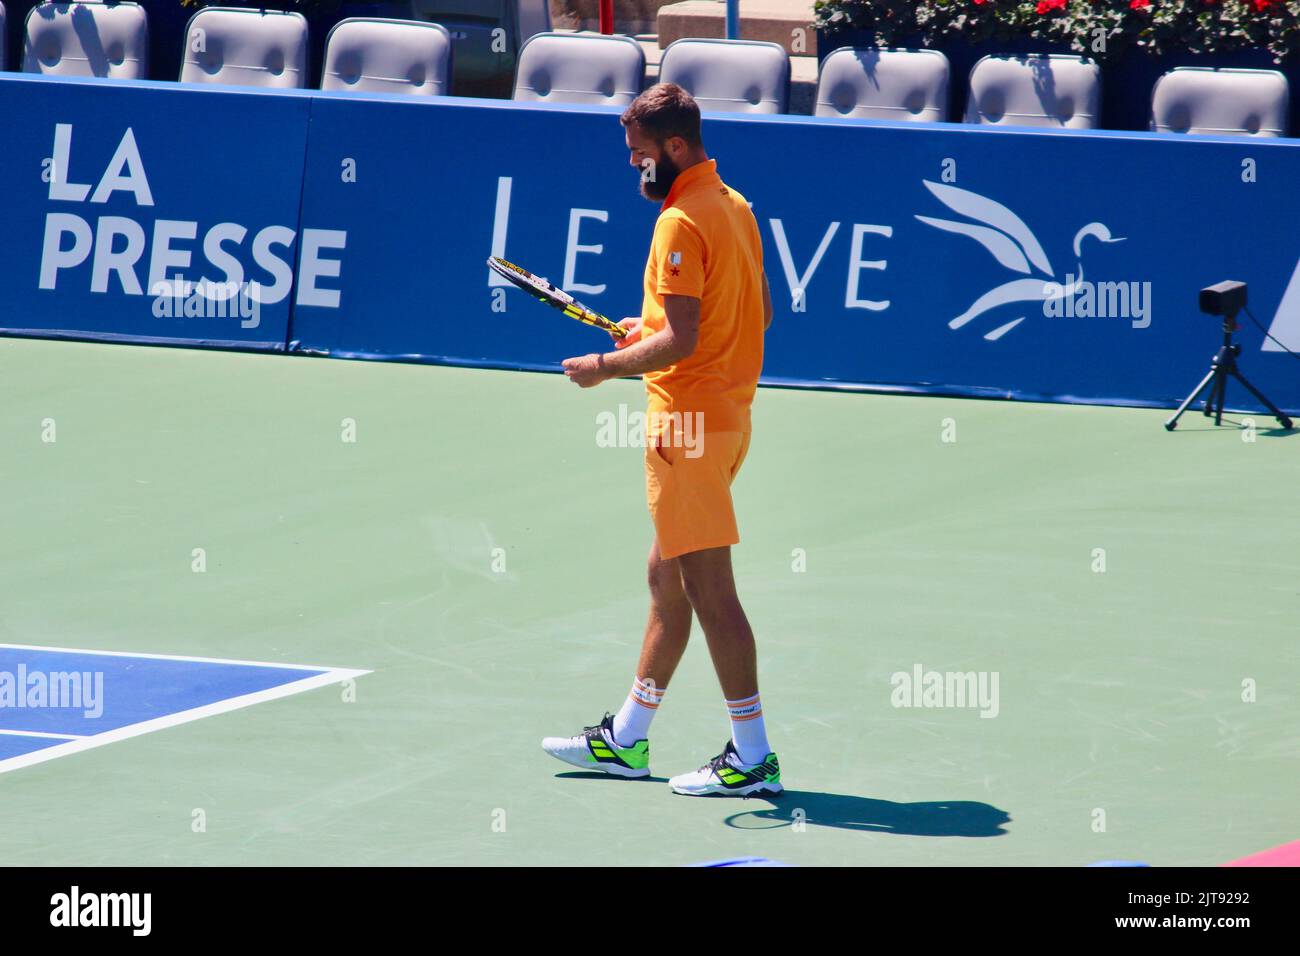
{"points": [[619, 744], [669, 625], [667, 630], [711, 590]]}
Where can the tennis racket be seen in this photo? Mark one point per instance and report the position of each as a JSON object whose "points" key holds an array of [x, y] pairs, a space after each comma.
{"points": [[556, 298]]}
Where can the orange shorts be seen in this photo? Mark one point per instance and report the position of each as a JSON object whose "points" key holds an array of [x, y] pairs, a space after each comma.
{"points": [[690, 497]]}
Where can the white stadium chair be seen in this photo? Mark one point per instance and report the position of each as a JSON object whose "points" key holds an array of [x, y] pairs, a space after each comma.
{"points": [[388, 56], [1049, 90], [580, 68], [910, 85], [1200, 100], [246, 47], [730, 76], [87, 39]]}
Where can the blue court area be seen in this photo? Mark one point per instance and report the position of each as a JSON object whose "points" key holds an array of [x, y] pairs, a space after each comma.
{"points": [[53, 697], [14, 746]]}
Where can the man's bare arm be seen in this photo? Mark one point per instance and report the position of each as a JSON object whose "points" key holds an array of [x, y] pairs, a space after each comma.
{"points": [[675, 342], [767, 305]]}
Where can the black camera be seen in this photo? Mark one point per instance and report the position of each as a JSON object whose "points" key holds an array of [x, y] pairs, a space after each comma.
{"points": [[1225, 298]]}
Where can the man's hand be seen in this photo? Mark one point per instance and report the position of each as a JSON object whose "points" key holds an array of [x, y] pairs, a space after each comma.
{"points": [[633, 325], [586, 370]]}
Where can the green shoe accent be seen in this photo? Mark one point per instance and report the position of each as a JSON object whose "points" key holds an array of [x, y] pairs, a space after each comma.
{"points": [[768, 771], [636, 757]]}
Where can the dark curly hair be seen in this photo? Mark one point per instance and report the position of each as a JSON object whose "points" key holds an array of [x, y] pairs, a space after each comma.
{"points": [[663, 111]]}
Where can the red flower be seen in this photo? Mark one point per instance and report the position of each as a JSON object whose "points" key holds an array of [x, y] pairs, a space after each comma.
{"points": [[1139, 4], [1046, 6], [1261, 5]]}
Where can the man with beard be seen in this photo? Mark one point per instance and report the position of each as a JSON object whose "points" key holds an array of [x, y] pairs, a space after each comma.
{"points": [[698, 344]]}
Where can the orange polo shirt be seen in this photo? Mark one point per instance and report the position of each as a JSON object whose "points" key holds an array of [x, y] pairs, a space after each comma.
{"points": [[706, 244]]}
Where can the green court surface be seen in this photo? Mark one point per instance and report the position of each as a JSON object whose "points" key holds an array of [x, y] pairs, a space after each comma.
{"points": [[1119, 691]]}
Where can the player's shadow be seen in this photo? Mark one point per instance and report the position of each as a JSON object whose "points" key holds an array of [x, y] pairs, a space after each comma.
{"points": [[596, 775], [846, 812]]}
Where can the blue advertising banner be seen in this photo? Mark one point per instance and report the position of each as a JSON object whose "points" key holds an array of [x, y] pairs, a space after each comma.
{"points": [[934, 258], [149, 211], [429, 193]]}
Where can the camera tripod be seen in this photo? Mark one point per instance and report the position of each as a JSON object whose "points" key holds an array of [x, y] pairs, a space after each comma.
{"points": [[1216, 380]]}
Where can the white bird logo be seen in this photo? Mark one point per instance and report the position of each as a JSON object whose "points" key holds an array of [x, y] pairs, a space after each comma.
{"points": [[1009, 240]]}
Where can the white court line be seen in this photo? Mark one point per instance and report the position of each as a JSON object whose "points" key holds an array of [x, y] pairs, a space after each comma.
{"points": [[172, 657], [333, 675], [33, 733]]}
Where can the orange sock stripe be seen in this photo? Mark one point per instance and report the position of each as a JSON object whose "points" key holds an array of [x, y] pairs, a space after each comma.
{"points": [[647, 695], [747, 708]]}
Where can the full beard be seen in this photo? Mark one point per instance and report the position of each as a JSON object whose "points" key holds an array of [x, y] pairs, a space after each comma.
{"points": [[665, 174]]}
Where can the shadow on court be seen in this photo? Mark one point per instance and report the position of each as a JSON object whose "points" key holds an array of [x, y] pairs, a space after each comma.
{"points": [[584, 775], [1203, 425], [846, 812]]}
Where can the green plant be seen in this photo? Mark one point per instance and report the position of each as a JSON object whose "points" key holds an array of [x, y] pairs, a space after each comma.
{"points": [[891, 22], [1097, 28]]}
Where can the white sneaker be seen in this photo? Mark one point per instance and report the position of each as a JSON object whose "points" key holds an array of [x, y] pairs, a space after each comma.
{"points": [[595, 749], [726, 775]]}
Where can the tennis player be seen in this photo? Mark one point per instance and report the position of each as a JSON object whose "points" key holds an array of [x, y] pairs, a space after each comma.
{"points": [[698, 345]]}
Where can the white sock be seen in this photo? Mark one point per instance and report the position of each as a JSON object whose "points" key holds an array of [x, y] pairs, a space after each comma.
{"points": [[632, 722], [748, 732]]}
